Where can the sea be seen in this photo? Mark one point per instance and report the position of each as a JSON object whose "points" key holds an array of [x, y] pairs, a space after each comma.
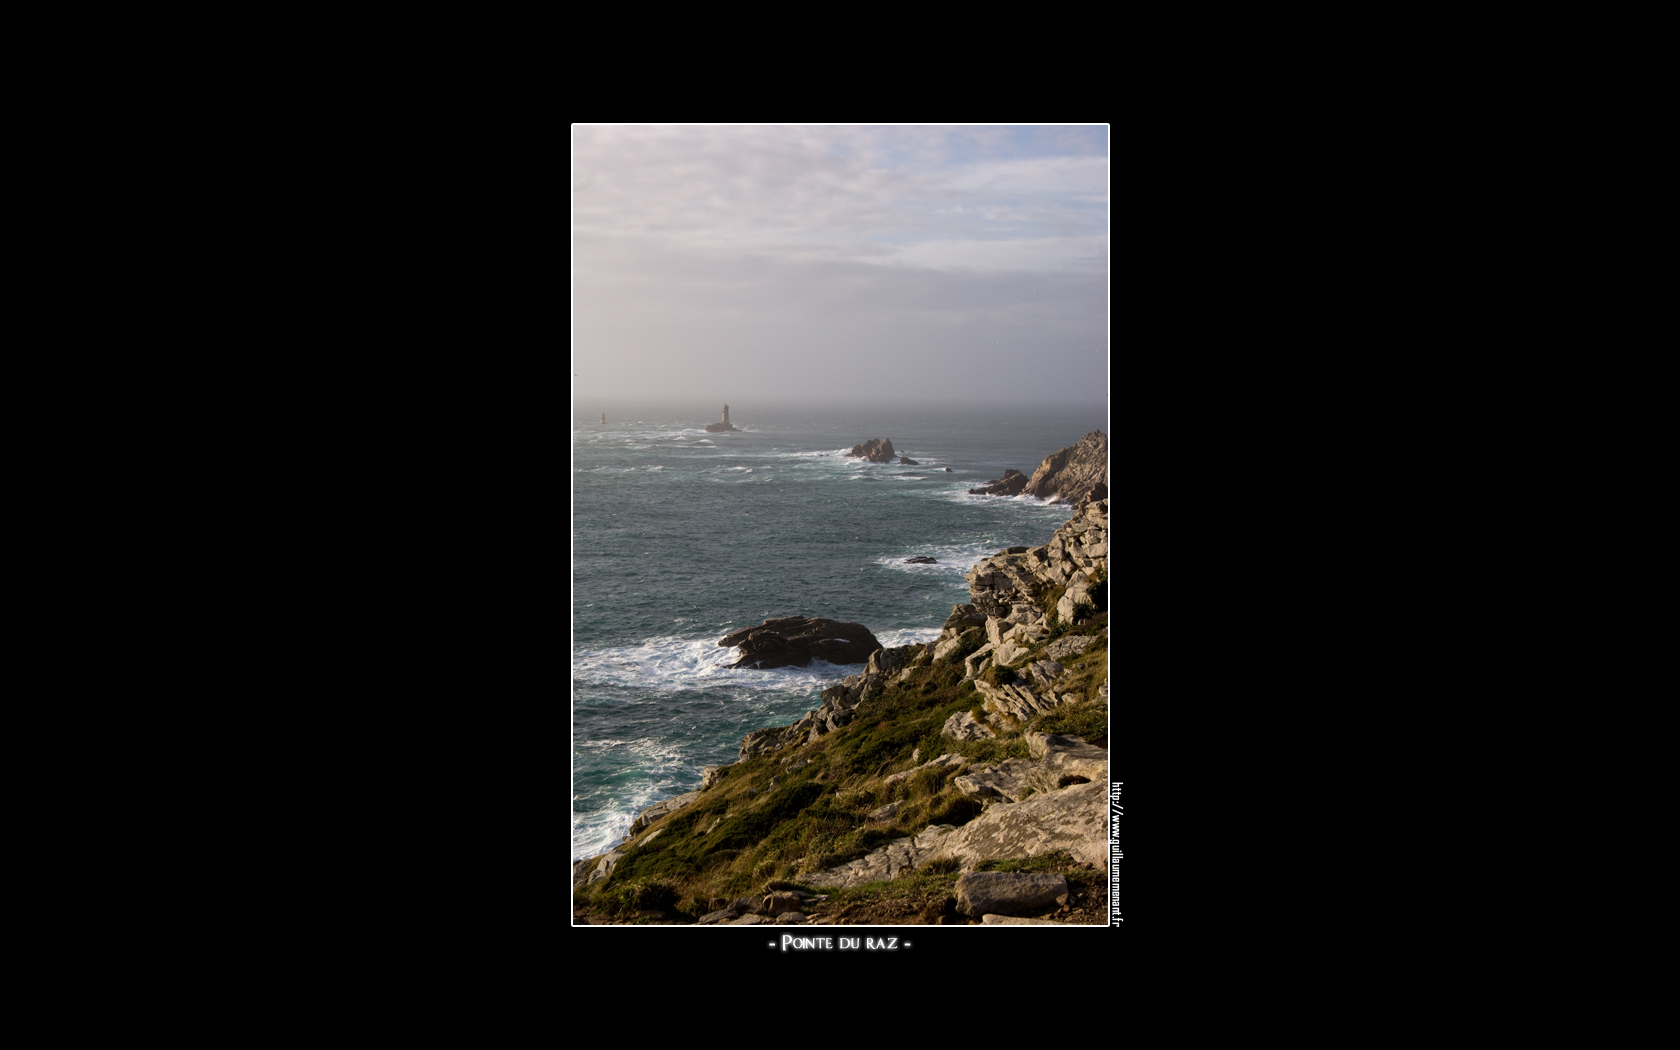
{"points": [[680, 537]]}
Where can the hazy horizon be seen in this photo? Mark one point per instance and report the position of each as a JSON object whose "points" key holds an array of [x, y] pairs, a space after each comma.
{"points": [[888, 266]]}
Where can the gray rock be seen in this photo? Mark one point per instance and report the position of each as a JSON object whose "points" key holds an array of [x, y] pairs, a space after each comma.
{"points": [[964, 726], [1010, 651], [751, 920], [886, 661], [947, 760], [1007, 893], [976, 661], [1012, 920], [790, 918], [1011, 484], [711, 775], [875, 450], [907, 462], [777, 903], [888, 862], [964, 616], [950, 645], [1008, 780], [604, 868], [1074, 819], [794, 641], [886, 812], [1042, 745], [1069, 475], [659, 810], [1062, 648]]}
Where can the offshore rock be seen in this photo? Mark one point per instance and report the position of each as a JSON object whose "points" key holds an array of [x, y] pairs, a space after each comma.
{"points": [[921, 561], [793, 641], [907, 461], [1011, 484], [1070, 475], [875, 450]]}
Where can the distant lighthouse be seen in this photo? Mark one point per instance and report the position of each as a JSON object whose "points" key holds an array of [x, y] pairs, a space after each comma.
{"points": [[719, 428], [603, 419]]}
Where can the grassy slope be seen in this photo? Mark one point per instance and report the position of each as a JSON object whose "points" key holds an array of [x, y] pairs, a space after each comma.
{"points": [[743, 836]]}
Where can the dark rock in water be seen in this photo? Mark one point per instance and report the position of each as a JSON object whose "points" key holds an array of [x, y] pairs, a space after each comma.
{"points": [[875, 450], [907, 462], [921, 561], [792, 641], [1011, 484], [1072, 473], [948, 470], [719, 428]]}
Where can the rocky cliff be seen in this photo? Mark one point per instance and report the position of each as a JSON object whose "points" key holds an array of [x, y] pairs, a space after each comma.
{"points": [[983, 749], [1075, 474]]}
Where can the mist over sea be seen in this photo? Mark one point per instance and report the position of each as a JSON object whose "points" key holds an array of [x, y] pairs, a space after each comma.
{"points": [[680, 536]]}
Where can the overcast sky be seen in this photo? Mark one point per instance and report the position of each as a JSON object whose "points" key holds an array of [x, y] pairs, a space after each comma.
{"points": [[752, 264]]}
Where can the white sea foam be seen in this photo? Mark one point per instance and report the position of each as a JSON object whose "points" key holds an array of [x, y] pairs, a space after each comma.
{"points": [[950, 559], [907, 636], [670, 664]]}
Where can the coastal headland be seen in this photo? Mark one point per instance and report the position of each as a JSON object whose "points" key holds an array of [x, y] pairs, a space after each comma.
{"points": [[961, 781]]}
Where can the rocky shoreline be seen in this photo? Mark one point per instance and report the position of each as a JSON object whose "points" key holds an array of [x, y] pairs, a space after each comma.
{"points": [[986, 788]]}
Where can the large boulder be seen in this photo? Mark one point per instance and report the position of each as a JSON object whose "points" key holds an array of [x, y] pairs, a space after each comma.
{"points": [[1008, 893], [793, 641], [875, 450], [1069, 476], [1011, 484], [1074, 819]]}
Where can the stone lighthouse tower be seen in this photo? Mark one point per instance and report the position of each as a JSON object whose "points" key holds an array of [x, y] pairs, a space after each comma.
{"points": [[725, 415]]}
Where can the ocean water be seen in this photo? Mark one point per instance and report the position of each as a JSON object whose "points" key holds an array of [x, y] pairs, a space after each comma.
{"points": [[680, 536]]}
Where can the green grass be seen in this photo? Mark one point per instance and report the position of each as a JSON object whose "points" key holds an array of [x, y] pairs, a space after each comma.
{"points": [[818, 816]]}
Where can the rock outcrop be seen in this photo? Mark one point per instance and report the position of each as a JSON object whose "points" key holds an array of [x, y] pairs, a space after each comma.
{"points": [[1000, 893], [839, 702], [906, 461], [1069, 475], [794, 641], [719, 428], [1074, 819], [1011, 484], [875, 450], [921, 561], [1009, 585]]}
